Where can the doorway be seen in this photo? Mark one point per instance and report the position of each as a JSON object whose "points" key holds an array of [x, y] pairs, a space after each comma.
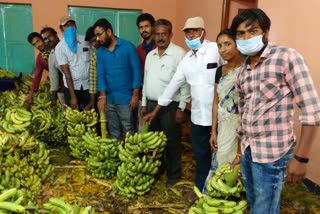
{"points": [[231, 8]]}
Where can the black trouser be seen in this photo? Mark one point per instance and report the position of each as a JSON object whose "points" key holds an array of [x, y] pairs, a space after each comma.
{"points": [[165, 121], [83, 97]]}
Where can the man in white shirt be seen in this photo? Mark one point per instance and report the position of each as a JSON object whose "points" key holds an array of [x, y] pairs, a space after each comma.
{"points": [[161, 64], [73, 56], [197, 68]]}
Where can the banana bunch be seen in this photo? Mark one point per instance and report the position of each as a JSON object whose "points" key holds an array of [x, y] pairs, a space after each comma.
{"points": [[74, 117], [12, 201], [208, 205], [225, 183], [59, 206], [140, 162], [103, 160], [25, 84], [41, 123], [24, 162], [5, 74], [16, 120]]}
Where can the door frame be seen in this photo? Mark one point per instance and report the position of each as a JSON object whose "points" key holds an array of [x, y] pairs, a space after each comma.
{"points": [[226, 12]]}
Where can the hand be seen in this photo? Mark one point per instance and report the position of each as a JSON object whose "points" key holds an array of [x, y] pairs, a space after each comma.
{"points": [[143, 111], [53, 103], [149, 117], [179, 116], [296, 171], [134, 102], [89, 106], [235, 162], [213, 142], [102, 105], [74, 103], [28, 100]]}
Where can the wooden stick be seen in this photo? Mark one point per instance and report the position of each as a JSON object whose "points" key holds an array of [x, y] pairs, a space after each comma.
{"points": [[70, 167], [177, 206]]}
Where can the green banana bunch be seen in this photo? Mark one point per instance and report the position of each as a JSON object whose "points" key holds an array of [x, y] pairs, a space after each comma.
{"points": [[16, 120], [218, 186], [208, 205], [5, 74], [58, 205], [103, 160], [140, 162]]}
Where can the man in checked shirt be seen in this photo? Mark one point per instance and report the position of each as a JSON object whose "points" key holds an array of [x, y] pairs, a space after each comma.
{"points": [[271, 79], [92, 39]]}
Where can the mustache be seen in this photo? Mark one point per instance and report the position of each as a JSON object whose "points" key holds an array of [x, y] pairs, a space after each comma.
{"points": [[161, 41], [144, 32]]}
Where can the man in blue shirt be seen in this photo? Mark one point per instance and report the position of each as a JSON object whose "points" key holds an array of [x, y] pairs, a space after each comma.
{"points": [[119, 79]]}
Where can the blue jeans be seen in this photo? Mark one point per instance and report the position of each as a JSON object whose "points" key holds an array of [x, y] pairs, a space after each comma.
{"points": [[200, 136], [119, 116], [263, 182]]}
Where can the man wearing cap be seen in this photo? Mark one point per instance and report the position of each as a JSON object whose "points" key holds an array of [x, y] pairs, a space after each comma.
{"points": [[73, 56], [198, 69]]}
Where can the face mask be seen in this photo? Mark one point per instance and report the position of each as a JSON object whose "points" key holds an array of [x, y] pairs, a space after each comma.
{"points": [[250, 47], [70, 37], [195, 43]]}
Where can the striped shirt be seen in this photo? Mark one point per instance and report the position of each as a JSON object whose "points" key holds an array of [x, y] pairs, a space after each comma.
{"points": [[266, 94], [93, 74]]}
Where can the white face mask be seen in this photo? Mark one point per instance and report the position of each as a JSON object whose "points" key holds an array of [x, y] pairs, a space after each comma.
{"points": [[250, 47]]}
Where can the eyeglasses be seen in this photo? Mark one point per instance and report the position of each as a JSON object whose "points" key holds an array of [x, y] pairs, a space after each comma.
{"points": [[100, 34]]}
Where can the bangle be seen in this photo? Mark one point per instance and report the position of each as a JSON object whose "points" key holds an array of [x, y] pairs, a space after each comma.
{"points": [[100, 97], [212, 133], [301, 160], [238, 156]]}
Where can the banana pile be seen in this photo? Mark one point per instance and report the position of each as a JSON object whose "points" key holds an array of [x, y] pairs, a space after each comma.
{"points": [[140, 162], [24, 162], [226, 183], [78, 123], [209, 205], [4, 74], [13, 201], [16, 120], [58, 205], [103, 160]]}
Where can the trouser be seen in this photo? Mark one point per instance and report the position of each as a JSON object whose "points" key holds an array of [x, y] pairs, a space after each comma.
{"points": [[200, 136], [83, 97], [165, 121], [119, 116], [263, 182]]}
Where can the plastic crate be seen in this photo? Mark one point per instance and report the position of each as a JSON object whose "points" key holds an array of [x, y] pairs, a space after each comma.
{"points": [[8, 84]]}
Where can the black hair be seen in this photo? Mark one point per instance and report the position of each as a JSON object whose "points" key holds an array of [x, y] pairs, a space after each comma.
{"points": [[163, 22], [228, 33], [104, 24], [32, 35], [251, 16], [89, 34], [145, 17], [48, 29]]}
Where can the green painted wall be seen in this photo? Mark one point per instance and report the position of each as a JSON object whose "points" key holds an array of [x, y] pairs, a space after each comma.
{"points": [[16, 54], [123, 21]]}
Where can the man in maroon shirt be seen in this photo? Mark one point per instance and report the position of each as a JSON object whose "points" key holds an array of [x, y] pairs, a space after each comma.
{"points": [[144, 22], [41, 63]]}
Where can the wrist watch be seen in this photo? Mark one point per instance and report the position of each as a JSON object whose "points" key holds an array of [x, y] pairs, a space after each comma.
{"points": [[301, 160]]}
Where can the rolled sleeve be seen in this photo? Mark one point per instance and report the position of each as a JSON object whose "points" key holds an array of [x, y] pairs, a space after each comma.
{"points": [[101, 76], [136, 67], [302, 87]]}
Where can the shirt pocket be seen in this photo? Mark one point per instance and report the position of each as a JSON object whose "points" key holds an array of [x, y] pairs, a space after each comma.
{"points": [[85, 54], [210, 75], [269, 89], [167, 73]]}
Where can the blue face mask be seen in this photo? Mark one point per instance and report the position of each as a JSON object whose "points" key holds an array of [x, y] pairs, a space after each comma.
{"points": [[195, 43], [70, 37], [250, 47]]}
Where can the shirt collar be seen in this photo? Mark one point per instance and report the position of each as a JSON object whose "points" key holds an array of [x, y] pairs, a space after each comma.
{"points": [[168, 51], [119, 42], [201, 50]]}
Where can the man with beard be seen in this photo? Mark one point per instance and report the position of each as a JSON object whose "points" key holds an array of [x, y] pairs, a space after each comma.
{"points": [[161, 65], [41, 63], [144, 22], [92, 39], [73, 56], [51, 39], [119, 79]]}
